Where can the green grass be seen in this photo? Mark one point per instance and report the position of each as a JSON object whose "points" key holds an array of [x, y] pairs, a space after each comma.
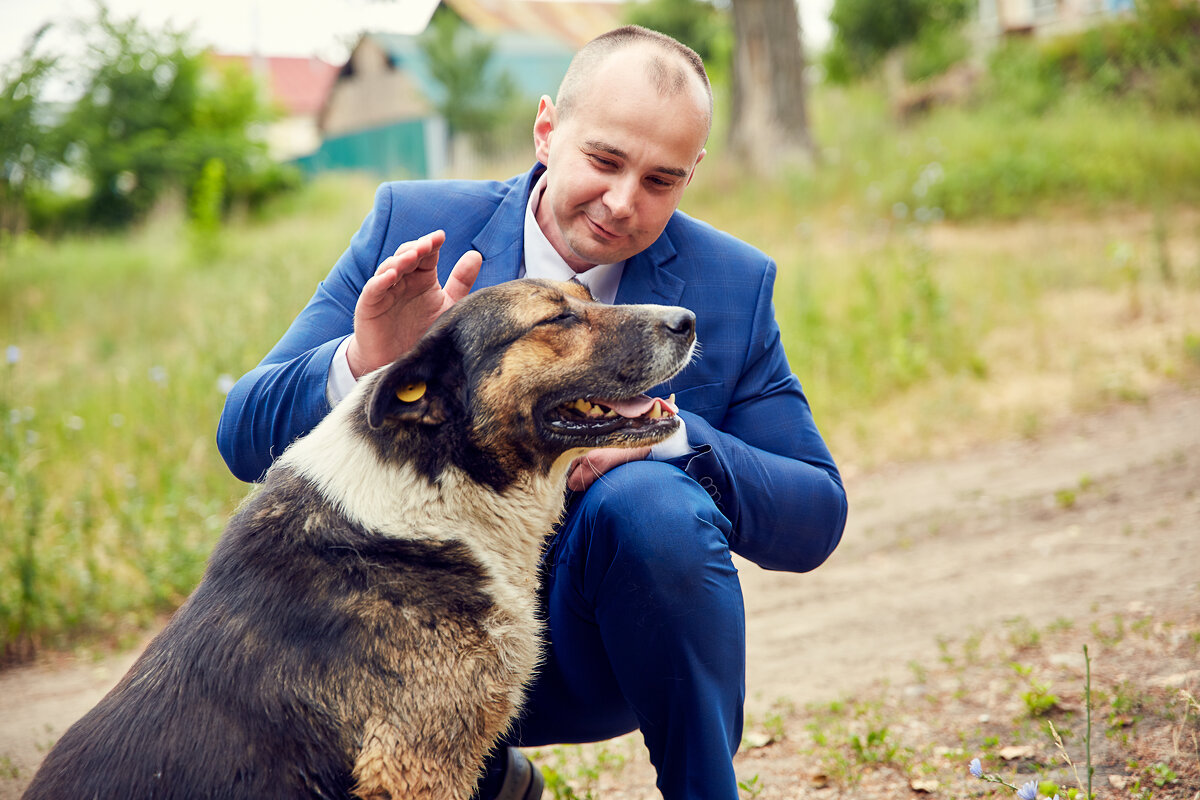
{"points": [[111, 488], [112, 491]]}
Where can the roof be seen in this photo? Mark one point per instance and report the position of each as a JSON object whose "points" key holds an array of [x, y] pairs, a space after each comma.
{"points": [[299, 85], [574, 22]]}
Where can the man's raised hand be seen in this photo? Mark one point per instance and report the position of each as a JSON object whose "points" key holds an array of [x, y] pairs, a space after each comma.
{"points": [[402, 299]]}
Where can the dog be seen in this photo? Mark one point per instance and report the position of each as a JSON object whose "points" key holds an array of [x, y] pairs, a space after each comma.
{"points": [[366, 624]]}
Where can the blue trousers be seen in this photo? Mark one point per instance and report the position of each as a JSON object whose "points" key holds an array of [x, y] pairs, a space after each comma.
{"points": [[645, 630]]}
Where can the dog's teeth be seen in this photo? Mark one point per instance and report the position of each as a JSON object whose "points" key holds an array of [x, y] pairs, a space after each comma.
{"points": [[610, 414], [656, 412], [595, 411]]}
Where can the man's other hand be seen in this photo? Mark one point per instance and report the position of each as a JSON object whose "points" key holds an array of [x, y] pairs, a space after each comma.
{"points": [[587, 469]]}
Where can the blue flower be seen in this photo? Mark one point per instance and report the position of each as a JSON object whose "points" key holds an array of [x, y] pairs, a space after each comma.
{"points": [[976, 768], [1028, 791]]}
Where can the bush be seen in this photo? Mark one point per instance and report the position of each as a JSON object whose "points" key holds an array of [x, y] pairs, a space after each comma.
{"points": [[152, 112], [866, 31], [1153, 56]]}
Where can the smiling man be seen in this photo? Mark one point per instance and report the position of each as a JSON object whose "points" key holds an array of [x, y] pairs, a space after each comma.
{"points": [[645, 623]]}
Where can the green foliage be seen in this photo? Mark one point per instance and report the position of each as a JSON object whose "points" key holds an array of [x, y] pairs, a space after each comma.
{"points": [[935, 50], [112, 492], [753, 786], [1153, 56], [476, 98], [866, 31], [26, 150], [148, 121], [697, 23], [151, 113]]}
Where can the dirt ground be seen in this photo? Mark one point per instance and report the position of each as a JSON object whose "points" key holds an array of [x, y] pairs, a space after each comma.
{"points": [[1097, 518]]}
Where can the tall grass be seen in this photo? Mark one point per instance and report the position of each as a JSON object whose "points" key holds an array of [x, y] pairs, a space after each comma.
{"points": [[904, 328], [119, 351]]}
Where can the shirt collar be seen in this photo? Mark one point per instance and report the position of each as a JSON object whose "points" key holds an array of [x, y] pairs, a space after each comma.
{"points": [[543, 261]]}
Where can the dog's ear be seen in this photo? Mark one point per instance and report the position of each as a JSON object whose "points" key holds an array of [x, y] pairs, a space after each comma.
{"points": [[419, 387]]}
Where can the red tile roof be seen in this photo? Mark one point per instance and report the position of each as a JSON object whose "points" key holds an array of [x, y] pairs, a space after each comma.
{"points": [[299, 85]]}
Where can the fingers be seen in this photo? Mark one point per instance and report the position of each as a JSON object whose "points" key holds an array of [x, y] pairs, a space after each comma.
{"points": [[462, 277], [417, 255], [587, 469]]}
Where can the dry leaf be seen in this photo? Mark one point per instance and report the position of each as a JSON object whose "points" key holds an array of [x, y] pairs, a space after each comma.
{"points": [[1017, 751]]}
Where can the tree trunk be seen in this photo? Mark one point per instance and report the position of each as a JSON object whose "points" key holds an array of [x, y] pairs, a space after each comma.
{"points": [[769, 120]]}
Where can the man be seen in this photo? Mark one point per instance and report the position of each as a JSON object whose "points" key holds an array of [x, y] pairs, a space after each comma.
{"points": [[645, 623]]}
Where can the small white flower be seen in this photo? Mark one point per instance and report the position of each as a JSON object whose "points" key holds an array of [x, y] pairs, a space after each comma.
{"points": [[225, 383], [12, 354], [74, 423]]}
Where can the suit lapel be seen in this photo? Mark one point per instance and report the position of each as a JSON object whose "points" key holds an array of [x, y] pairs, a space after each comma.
{"points": [[646, 278], [502, 240]]}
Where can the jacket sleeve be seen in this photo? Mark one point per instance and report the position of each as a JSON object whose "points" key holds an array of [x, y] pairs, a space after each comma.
{"points": [[283, 398], [765, 463]]}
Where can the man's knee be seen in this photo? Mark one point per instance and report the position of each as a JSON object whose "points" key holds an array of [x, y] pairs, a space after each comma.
{"points": [[654, 514]]}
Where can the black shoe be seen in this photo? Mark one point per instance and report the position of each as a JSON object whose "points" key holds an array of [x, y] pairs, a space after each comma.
{"points": [[522, 780]]}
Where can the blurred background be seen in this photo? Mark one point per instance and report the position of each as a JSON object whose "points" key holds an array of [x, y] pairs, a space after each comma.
{"points": [[986, 216]]}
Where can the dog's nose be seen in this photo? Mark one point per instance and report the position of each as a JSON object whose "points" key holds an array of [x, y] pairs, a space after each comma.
{"points": [[680, 322]]}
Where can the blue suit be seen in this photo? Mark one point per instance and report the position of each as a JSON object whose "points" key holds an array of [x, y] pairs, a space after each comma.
{"points": [[645, 619]]}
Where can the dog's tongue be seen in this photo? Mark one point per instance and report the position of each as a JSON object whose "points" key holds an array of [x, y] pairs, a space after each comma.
{"points": [[641, 405]]}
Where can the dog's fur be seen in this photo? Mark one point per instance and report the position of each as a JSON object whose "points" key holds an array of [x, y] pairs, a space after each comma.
{"points": [[367, 621]]}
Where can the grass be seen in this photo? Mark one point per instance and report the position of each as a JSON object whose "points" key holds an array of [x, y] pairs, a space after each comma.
{"points": [[919, 317]]}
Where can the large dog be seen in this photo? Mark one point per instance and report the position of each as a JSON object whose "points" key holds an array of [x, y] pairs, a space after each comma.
{"points": [[366, 623]]}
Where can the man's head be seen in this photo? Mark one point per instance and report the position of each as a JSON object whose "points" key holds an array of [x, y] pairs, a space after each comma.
{"points": [[620, 144]]}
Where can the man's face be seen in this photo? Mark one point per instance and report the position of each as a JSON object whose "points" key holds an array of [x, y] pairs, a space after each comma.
{"points": [[618, 164]]}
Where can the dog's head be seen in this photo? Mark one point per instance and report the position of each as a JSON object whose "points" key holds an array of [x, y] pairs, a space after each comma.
{"points": [[515, 376]]}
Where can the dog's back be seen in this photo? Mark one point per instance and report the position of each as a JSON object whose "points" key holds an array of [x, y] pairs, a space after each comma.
{"points": [[297, 600]]}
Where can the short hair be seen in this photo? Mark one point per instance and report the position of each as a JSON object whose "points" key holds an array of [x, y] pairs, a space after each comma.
{"points": [[667, 77]]}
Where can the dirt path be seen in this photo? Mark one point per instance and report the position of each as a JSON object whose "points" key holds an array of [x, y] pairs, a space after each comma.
{"points": [[1096, 517]]}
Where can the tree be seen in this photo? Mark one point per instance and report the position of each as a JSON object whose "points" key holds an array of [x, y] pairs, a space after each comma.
{"points": [[865, 31], [26, 152], [768, 114], [476, 99], [151, 115]]}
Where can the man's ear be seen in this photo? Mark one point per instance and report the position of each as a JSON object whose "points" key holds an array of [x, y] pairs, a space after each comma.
{"points": [[543, 128], [419, 387]]}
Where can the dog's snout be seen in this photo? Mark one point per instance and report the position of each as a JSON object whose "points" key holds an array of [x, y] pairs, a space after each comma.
{"points": [[680, 322]]}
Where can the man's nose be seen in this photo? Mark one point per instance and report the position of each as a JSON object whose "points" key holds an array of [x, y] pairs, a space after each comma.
{"points": [[621, 197]]}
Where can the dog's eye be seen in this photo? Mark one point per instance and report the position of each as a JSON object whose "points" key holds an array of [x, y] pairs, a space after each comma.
{"points": [[566, 316]]}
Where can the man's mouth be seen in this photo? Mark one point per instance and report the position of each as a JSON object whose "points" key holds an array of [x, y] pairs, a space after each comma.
{"points": [[602, 231]]}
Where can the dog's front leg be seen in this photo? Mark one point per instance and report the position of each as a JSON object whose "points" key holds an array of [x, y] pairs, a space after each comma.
{"points": [[392, 766]]}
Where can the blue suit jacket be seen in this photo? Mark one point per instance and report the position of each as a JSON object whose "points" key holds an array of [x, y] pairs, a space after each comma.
{"points": [[757, 450]]}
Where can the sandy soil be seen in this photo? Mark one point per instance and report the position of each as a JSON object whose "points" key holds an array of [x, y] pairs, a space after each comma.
{"points": [[1097, 517]]}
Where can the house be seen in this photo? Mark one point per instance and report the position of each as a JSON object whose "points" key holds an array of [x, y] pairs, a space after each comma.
{"points": [[380, 114], [1044, 17], [297, 87]]}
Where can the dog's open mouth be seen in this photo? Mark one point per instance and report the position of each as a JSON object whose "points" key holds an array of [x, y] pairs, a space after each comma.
{"points": [[593, 417]]}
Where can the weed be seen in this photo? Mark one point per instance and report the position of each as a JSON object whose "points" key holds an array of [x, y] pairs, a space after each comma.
{"points": [[1031, 790], [753, 787]]}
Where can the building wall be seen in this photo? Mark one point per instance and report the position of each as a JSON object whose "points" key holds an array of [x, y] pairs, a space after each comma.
{"points": [[372, 95]]}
